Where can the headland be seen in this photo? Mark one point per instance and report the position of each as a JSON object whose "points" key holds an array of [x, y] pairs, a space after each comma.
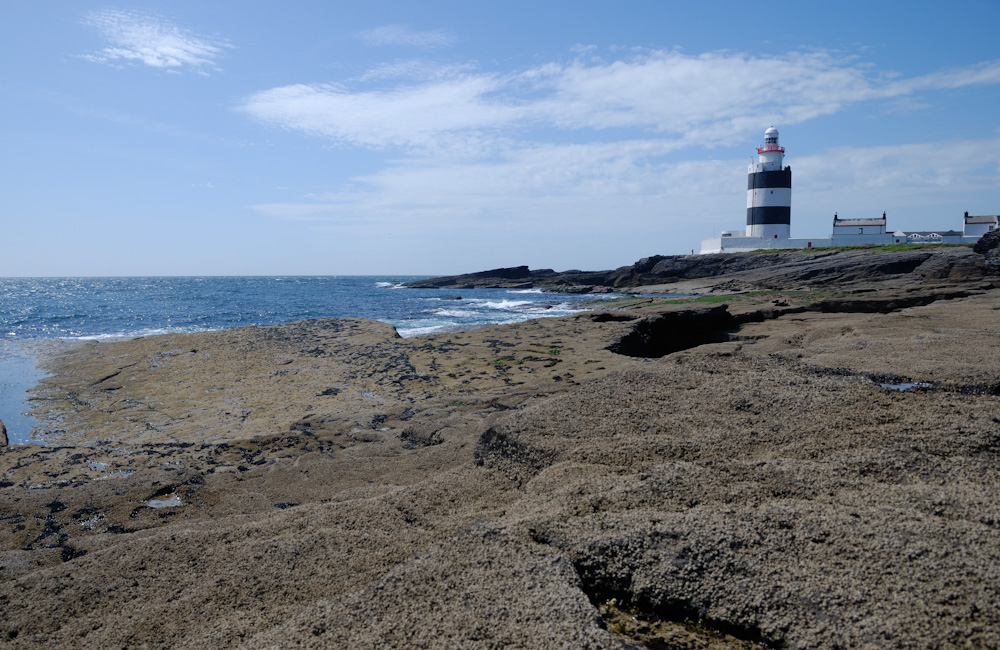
{"points": [[803, 454]]}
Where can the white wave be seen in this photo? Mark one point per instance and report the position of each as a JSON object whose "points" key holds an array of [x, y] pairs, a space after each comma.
{"points": [[525, 291], [108, 337], [421, 331], [152, 331], [570, 308], [390, 285], [507, 305], [457, 313]]}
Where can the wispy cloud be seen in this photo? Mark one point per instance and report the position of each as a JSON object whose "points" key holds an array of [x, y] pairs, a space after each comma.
{"points": [[907, 175], [529, 190], [414, 116], [404, 35], [414, 70], [149, 40], [524, 189], [715, 98], [980, 74]]}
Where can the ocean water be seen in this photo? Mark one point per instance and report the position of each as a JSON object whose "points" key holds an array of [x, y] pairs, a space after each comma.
{"points": [[39, 309]]}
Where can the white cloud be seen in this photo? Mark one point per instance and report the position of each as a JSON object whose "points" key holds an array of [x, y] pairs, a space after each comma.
{"points": [[985, 73], [142, 38], [484, 156], [715, 98], [404, 35], [531, 189], [413, 116], [550, 192], [910, 176]]}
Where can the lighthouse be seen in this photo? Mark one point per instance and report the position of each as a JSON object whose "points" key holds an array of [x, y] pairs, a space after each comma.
{"points": [[769, 210], [769, 191]]}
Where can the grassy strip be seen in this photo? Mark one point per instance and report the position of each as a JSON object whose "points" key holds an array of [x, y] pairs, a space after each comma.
{"points": [[881, 248]]}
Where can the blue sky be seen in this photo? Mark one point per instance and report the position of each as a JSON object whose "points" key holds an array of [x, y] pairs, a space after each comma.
{"points": [[246, 138]]}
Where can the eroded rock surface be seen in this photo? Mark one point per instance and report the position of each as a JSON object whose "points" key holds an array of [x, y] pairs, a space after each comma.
{"points": [[795, 467]]}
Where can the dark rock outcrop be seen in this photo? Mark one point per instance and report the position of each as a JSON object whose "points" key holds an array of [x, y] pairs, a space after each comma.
{"points": [[769, 269], [989, 247], [3, 435], [515, 277]]}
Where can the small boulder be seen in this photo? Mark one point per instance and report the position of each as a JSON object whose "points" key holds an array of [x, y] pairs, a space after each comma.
{"points": [[3, 435]]}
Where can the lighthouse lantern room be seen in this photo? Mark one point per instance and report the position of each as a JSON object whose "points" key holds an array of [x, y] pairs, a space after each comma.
{"points": [[769, 191]]}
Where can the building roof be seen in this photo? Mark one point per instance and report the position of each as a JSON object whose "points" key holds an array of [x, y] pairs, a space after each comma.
{"points": [[840, 223], [934, 233], [983, 219]]}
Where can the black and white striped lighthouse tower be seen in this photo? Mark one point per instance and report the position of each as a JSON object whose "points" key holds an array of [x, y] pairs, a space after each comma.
{"points": [[769, 191]]}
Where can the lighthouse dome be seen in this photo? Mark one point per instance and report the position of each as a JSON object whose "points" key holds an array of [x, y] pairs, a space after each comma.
{"points": [[771, 136]]}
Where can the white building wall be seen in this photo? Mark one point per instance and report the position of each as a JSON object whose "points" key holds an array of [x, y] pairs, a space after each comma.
{"points": [[748, 244], [858, 230], [769, 231], [978, 229]]}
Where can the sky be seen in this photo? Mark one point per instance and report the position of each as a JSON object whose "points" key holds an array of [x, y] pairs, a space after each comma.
{"points": [[376, 138]]}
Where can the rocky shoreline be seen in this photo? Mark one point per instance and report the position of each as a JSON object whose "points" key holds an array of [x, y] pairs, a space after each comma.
{"points": [[772, 270], [805, 456]]}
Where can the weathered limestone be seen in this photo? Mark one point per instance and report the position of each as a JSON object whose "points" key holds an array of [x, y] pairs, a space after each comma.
{"points": [[808, 465]]}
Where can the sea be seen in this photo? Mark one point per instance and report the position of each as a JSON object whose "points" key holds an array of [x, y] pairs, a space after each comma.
{"points": [[36, 310]]}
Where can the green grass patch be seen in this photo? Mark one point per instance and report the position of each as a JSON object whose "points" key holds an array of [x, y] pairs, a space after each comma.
{"points": [[881, 248], [504, 362], [698, 300]]}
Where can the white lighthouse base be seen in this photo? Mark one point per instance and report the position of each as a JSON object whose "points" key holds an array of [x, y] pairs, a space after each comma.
{"points": [[747, 244], [769, 231]]}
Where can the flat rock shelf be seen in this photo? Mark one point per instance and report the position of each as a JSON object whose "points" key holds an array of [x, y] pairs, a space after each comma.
{"points": [[739, 468]]}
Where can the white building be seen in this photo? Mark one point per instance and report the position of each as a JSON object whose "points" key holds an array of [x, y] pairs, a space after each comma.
{"points": [[769, 209], [852, 227], [978, 226]]}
